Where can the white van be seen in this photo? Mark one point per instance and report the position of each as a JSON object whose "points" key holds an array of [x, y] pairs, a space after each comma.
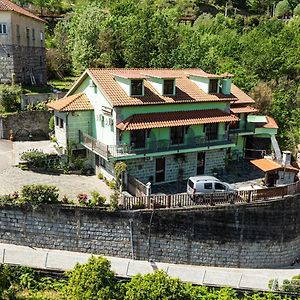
{"points": [[201, 185]]}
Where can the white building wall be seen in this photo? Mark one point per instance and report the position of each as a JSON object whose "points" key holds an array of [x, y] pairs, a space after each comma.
{"points": [[202, 83]]}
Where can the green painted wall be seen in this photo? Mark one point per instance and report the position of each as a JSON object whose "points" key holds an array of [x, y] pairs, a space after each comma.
{"points": [[81, 120], [159, 134], [131, 110], [265, 131], [101, 126]]}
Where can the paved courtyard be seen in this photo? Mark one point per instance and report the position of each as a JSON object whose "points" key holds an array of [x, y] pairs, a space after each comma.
{"points": [[242, 175], [12, 178]]}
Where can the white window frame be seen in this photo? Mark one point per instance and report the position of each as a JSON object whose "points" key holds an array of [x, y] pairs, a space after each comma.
{"points": [[2, 27]]}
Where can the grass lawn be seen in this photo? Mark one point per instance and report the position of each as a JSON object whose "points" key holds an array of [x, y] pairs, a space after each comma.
{"points": [[63, 85]]}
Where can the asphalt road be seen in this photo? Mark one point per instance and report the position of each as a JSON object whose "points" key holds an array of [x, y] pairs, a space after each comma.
{"points": [[6, 154]]}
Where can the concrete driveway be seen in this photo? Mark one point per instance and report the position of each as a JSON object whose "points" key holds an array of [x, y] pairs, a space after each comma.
{"points": [[6, 155], [12, 178]]}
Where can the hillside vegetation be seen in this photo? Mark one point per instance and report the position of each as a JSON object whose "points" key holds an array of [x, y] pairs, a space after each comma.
{"points": [[96, 281]]}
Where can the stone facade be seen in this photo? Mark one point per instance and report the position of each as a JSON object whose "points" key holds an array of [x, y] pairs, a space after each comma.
{"points": [[214, 159], [22, 61], [144, 169], [256, 235]]}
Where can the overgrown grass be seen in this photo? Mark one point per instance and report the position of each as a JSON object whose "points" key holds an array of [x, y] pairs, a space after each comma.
{"points": [[63, 85]]}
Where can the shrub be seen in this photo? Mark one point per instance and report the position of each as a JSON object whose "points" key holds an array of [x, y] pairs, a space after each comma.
{"points": [[112, 184], [34, 158], [51, 123], [156, 286], [93, 280], [7, 200], [10, 96], [297, 10], [97, 199], [282, 8], [100, 176], [39, 106], [114, 201], [82, 199], [37, 194]]}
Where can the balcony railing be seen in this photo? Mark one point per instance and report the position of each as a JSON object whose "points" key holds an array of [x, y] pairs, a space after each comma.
{"points": [[150, 146], [93, 144], [166, 145]]}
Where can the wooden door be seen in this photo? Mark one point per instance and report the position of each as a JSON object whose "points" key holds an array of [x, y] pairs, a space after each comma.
{"points": [[200, 163], [160, 168]]}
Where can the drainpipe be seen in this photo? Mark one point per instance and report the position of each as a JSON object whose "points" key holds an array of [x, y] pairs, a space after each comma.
{"points": [[67, 136], [149, 233], [131, 238]]}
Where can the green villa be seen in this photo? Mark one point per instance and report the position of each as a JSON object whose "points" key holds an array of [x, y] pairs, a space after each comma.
{"points": [[164, 123]]}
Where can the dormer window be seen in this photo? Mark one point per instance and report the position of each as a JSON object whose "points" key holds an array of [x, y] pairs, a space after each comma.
{"points": [[169, 87], [213, 86], [136, 87]]}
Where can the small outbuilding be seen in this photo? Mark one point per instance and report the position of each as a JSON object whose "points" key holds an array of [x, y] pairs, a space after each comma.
{"points": [[277, 173]]}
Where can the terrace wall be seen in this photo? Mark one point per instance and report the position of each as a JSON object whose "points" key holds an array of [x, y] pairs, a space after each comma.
{"points": [[261, 234]]}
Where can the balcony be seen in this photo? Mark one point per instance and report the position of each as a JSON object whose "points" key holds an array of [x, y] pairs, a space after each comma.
{"points": [[246, 129], [93, 145], [151, 147]]}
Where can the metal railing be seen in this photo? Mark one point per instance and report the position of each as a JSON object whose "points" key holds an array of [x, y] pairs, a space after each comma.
{"points": [[150, 146], [167, 145], [93, 144], [210, 199]]}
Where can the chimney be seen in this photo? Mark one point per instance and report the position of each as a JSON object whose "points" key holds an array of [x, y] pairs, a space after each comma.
{"points": [[286, 158], [226, 83]]}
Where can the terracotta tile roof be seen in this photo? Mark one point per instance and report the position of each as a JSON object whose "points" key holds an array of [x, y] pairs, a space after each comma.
{"points": [[6, 5], [75, 102], [177, 118], [243, 109], [267, 165], [241, 97], [201, 73], [186, 90], [271, 123], [130, 75], [164, 74]]}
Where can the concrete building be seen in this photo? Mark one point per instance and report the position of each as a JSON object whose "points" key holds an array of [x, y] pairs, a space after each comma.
{"points": [[166, 124], [22, 46]]}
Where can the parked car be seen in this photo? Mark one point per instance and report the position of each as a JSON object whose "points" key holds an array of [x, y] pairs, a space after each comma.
{"points": [[199, 186]]}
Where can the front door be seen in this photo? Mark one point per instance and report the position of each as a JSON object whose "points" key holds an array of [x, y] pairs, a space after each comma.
{"points": [[160, 169], [200, 163]]}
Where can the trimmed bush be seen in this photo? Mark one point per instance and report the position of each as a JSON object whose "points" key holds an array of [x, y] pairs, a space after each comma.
{"points": [[37, 194], [34, 158]]}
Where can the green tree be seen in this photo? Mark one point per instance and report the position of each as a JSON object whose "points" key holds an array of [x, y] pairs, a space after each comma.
{"points": [[296, 11], [85, 28], [10, 98], [282, 8], [156, 286], [93, 280]]}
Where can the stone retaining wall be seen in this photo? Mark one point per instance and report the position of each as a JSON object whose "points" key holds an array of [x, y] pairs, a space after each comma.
{"points": [[24, 123], [265, 234]]}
